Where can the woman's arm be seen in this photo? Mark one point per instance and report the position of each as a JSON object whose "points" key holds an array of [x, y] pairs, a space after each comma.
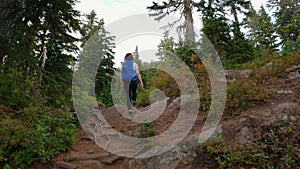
{"points": [[140, 79], [137, 72]]}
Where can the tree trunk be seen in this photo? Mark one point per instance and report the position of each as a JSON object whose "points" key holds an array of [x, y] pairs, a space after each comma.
{"points": [[236, 24], [189, 23], [234, 12], [5, 23]]}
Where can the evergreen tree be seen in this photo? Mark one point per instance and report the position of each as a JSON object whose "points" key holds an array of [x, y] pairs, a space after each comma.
{"points": [[215, 27], [236, 7], [166, 46], [228, 40], [261, 30], [35, 24], [136, 58], [241, 52], [184, 7], [287, 14], [98, 46], [5, 23], [5, 26], [170, 52], [293, 47]]}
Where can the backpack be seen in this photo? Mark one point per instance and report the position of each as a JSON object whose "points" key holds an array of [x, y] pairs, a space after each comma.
{"points": [[128, 73]]}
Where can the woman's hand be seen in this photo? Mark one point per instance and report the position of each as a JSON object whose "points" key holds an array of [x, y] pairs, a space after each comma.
{"points": [[142, 85]]}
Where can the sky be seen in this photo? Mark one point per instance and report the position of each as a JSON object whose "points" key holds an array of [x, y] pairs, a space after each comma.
{"points": [[114, 10]]}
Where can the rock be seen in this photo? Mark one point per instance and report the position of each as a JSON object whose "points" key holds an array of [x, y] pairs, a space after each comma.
{"points": [[175, 104], [111, 160], [157, 96], [286, 117], [269, 65], [216, 133], [243, 119], [153, 112], [184, 99], [294, 75], [294, 72], [64, 165], [292, 69], [85, 157], [246, 134], [232, 74], [286, 108], [173, 165], [285, 92], [183, 153], [245, 73], [93, 165]]}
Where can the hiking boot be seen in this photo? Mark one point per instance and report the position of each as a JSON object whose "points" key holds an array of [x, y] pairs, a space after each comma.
{"points": [[134, 103], [130, 114]]}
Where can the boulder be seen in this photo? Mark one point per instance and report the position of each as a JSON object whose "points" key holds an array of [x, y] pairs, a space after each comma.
{"points": [[64, 165], [182, 154]]}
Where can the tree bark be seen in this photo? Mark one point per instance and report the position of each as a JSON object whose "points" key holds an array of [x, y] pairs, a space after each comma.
{"points": [[5, 23], [189, 23], [234, 12]]}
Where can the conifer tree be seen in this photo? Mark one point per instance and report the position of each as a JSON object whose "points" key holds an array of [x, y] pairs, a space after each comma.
{"points": [[184, 7], [165, 47], [34, 24], [240, 48], [261, 30], [227, 38], [287, 15], [215, 26], [136, 58], [236, 7], [98, 46], [5, 26]]}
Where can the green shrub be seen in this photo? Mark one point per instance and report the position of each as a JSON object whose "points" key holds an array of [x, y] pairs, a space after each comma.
{"points": [[147, 129], [246, 92], [6, 166], [277, 148], [156, 79], [35, 134], [239, 95], [15, 91], [143, 97], [203, 81]]}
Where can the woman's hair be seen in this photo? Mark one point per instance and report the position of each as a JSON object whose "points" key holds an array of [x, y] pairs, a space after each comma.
{"points": [[128, 56]]}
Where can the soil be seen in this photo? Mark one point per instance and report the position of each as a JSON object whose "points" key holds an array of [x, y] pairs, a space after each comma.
{"points": [[93, 156]]}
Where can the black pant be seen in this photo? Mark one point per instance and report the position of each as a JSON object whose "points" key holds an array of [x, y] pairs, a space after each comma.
{"points": [[130, 89]]}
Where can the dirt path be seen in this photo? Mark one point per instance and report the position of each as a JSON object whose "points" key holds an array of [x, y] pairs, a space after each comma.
{"points": [[85, 154]]}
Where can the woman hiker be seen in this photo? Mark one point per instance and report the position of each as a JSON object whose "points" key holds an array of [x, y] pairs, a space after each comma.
{"points": [[131, 77]]}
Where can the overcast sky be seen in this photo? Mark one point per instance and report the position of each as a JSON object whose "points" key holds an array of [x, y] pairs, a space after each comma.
{"points": [[113, 10]]}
